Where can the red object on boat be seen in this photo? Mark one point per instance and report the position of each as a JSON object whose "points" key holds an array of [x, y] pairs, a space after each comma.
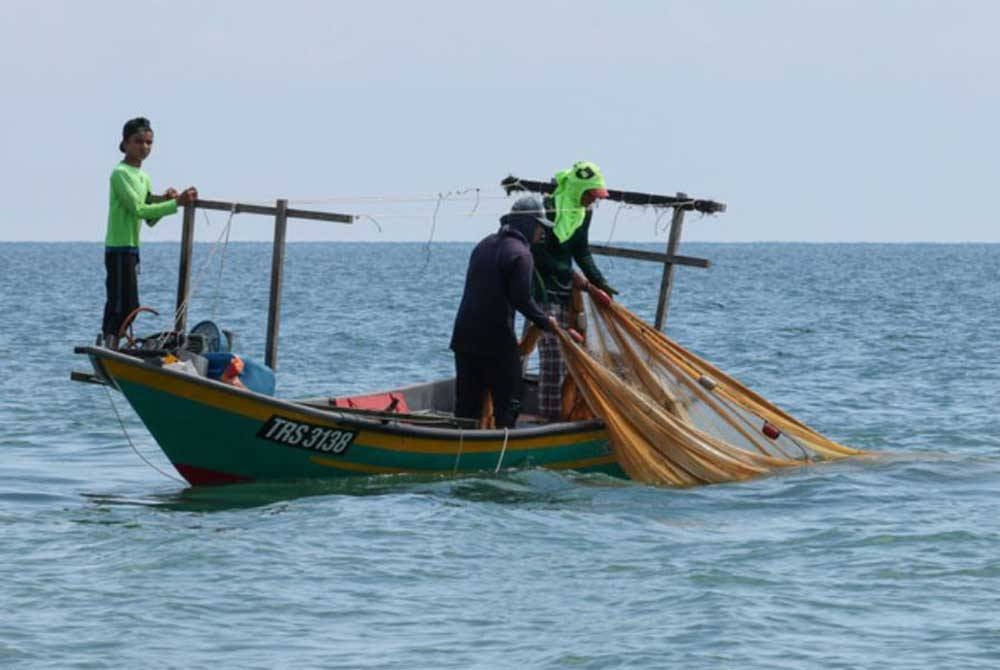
{"points": [[771, 430], [380, 402], [231, 375]]}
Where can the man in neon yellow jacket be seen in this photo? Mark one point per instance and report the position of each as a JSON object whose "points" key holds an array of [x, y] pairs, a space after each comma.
{"points": [[129, 204], [570, 207]]}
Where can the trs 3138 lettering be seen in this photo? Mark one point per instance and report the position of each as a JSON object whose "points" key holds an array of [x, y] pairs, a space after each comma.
{"points": [[306, 435]]}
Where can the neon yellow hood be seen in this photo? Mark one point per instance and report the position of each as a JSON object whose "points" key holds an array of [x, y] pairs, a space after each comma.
{"points": [[571, 184]]}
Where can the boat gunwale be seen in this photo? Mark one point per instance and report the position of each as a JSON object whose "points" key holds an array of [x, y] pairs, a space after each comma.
{"points": [[380, 424]]}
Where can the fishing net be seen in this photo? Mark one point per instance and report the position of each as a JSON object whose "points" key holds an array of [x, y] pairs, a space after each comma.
{"points": [[673, 417]]}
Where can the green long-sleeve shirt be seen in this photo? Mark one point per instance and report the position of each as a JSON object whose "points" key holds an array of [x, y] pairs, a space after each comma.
{"points": [[130, 187]]}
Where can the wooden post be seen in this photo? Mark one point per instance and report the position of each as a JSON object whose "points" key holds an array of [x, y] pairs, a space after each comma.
{"points": [[184, 273], [676, 223], [277, 265]]}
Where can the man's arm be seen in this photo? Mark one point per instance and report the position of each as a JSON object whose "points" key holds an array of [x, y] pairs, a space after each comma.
{"points": [[579, 246], [519, 291], [170, 193], [185, 197], [134, 203]]}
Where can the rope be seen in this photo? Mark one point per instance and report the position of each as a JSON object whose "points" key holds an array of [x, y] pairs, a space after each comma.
{"points": [[131, 444], [656, 224], [475, 205], [614, 223], [222, 262], [372, 219], [461, 440], [503, 450], [197, 278], [470, 193], [434, 218]]}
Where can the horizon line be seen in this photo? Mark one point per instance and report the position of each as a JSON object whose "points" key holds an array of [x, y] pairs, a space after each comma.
{"points": [[470, 241]]}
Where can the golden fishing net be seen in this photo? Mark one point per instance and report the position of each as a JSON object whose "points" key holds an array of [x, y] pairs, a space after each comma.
{"points": [[673, 417]]}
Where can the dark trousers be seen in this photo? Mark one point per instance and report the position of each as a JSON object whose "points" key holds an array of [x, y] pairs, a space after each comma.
{"points": [[500, 375], [122, 284]]}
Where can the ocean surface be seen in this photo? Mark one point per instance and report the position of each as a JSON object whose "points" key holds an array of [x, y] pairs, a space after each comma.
{"points": [[890, 562]]}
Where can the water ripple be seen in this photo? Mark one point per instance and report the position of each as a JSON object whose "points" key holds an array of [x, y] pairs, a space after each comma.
{"points": [[888, 561]]}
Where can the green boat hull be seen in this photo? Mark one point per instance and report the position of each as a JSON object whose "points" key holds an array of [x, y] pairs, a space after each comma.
{"points": [[214, 433]]}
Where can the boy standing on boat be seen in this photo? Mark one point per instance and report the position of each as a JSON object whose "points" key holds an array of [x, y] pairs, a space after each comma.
{"points": [[497, 282], [129, 203], [569, 209]]}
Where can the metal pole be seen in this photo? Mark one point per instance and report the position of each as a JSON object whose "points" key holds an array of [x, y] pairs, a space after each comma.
{"points": [[277, 265], [666, 284], [184, 273]]}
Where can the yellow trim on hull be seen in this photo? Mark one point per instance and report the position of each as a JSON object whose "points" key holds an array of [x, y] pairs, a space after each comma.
{"points": [[380, 470]]}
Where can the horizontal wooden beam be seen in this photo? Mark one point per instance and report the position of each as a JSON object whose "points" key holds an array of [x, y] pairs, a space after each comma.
{"points": [[266, 210], [86, 377], [512, 183], [638, 254]]}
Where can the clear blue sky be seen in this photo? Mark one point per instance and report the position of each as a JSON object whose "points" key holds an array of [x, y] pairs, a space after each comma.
{"points": [[814, 121]]}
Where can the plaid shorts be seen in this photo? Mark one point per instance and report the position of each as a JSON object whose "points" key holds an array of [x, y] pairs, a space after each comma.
{"points": [[551, 368]]}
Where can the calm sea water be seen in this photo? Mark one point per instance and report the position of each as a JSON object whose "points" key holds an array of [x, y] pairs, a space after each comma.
{"points": [[886, 563]]}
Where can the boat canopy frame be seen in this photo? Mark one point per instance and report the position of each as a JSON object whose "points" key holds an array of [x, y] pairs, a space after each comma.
{"points": [[680, 203]]}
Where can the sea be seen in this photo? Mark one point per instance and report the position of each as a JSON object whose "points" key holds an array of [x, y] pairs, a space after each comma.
{"points": [[107, 560]]}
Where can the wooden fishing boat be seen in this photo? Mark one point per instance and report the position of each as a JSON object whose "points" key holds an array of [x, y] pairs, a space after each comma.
{"points": [[217, 433], [214, 433]]}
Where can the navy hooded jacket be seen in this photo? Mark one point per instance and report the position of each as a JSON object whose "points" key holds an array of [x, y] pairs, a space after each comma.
{"points": [[498, 281]]}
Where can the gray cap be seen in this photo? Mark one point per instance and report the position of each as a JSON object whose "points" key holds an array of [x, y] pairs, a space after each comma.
{"points": [[533, 206]]}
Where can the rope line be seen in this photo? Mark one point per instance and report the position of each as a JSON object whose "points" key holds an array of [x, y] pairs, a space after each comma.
{"points": [[121, 423], [470, 193], [475, 205], [434, 219], [503, 450], [372, 219], [222, 263], [458, 456], [656, 224], [204, 266]]}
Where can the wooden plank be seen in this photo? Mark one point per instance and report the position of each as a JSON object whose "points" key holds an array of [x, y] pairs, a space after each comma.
{"points": [[277, 268], [513, 183], [266, 210], [638, 254], [666, 284], [184, 272], [86, 377], [245, 208]]}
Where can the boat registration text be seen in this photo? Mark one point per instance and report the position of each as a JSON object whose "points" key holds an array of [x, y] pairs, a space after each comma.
{"points": [[306, 435]]}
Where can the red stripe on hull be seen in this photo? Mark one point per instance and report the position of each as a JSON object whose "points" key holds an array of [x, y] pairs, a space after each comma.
{"points": [[203, 477]]}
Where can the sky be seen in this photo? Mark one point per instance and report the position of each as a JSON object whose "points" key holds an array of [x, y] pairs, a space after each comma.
{"points": [[813, 121]]}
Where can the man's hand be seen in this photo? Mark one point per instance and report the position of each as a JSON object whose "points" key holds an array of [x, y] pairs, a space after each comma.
{"points": [[599, 296], [188, 196], [610, 290], [553, 324]]}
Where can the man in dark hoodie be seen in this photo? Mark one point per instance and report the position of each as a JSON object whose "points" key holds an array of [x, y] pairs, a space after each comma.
{"points": [[498, 282]]}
